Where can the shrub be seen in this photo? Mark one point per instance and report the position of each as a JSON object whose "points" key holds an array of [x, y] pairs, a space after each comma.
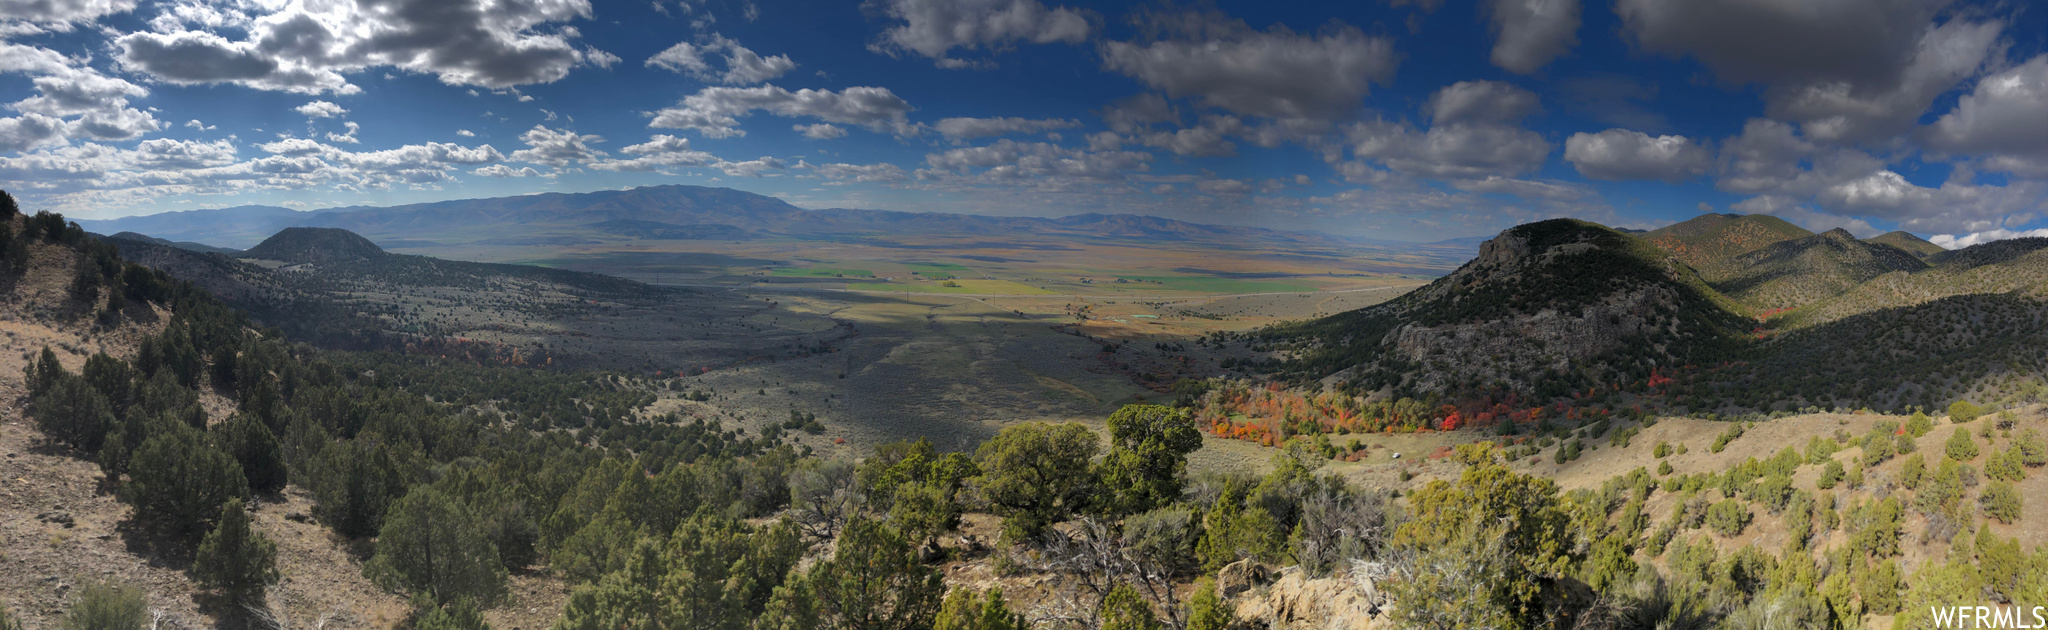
{"points": [[1662, 449], [2001, 501], [1728, 517], [2033, 449], [461, 615], [1165, 538], [1206, 611], [1830, 475], [1962, 412], [235, 560], [1960, 446], [1125, 609], [967, 609], [1911, 471], [873, 580], [1664, 468], [1721, 441], [2005, 465], [1919, 424], [107, 606]]}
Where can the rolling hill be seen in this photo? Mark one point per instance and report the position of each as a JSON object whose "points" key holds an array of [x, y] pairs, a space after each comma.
{"points": [[1710, 242], [1793, 273], [1907, 241], [1544, 309]]}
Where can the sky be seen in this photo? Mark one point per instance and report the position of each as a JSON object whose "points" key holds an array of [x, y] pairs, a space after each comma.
{"points": [[1415, 120]]}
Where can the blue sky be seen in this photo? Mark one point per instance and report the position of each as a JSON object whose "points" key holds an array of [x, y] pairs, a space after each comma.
{"points": [[1397, 119]]}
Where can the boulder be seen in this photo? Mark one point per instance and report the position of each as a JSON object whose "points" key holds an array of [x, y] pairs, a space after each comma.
{"points": [[1238, 577]]}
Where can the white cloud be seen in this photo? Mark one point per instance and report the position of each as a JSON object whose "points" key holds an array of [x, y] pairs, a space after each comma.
{"points": [[1528, 34], [1275, 73], [320, 109], [715, 111], [1621, 154], [556, 147], [1803, 215], [2007, 115], [971, 128], [933, 28], [743, 66], [465, 133], [308, 47], [1955, 241], [30, 131], [62, 13], [501, 170], [1481, 102], [883, 172], [821, 131], [350, 137]]}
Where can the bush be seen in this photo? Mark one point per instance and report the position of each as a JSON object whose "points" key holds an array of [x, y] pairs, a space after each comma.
{"points": [[1919, 424], [1662, 449], [1125, 609], [178, 482], [2001, 501], [1165, 538], [1728, 517], [1664, 468], [1830, 475], [2033, 449], [2005, 466], [1960, 446], [1962, 412], [430, 545], [235, 560], [460, 615], [967, 609], [107, 606], [1912, 471], [873, 580], [1721, 441]]}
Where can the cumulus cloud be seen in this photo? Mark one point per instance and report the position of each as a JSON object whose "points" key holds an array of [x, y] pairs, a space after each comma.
{"points": [[715, 111], [1038, 165], [308, 47], [1959, 241], [839, 171], [1803, 215], [556, 147], [29, 131], [971, 128], [1848, 70], [1481, 102], [1621, 154], [821, 131], [1474, 137], [465, 133], [62, 13], [501, 170], [1275, 73], [2006, 115], [72, 100], [742, 66], [1528, 34], [320, 109], [933, 28]]}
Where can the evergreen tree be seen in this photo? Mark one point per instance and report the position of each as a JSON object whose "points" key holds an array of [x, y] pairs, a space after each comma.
{"points": [[1149, 445], [253, 446], [1960, 447], [1036, 474], [70, 411], [461, 615], [872, 582], [430, 545], [968, 609], [178, 481], [234, 559], [1124, 609]]}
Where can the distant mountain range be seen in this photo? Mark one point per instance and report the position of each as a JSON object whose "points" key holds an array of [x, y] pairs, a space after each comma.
{"points": [[677, 212]]}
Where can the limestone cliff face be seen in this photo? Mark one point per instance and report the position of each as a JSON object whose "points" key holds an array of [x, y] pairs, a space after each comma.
{"points": [[1338, 602]]}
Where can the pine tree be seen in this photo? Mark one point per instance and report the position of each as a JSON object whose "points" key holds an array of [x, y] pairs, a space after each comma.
{"points": [[178, 481], [234, 559], [430, 545]]}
